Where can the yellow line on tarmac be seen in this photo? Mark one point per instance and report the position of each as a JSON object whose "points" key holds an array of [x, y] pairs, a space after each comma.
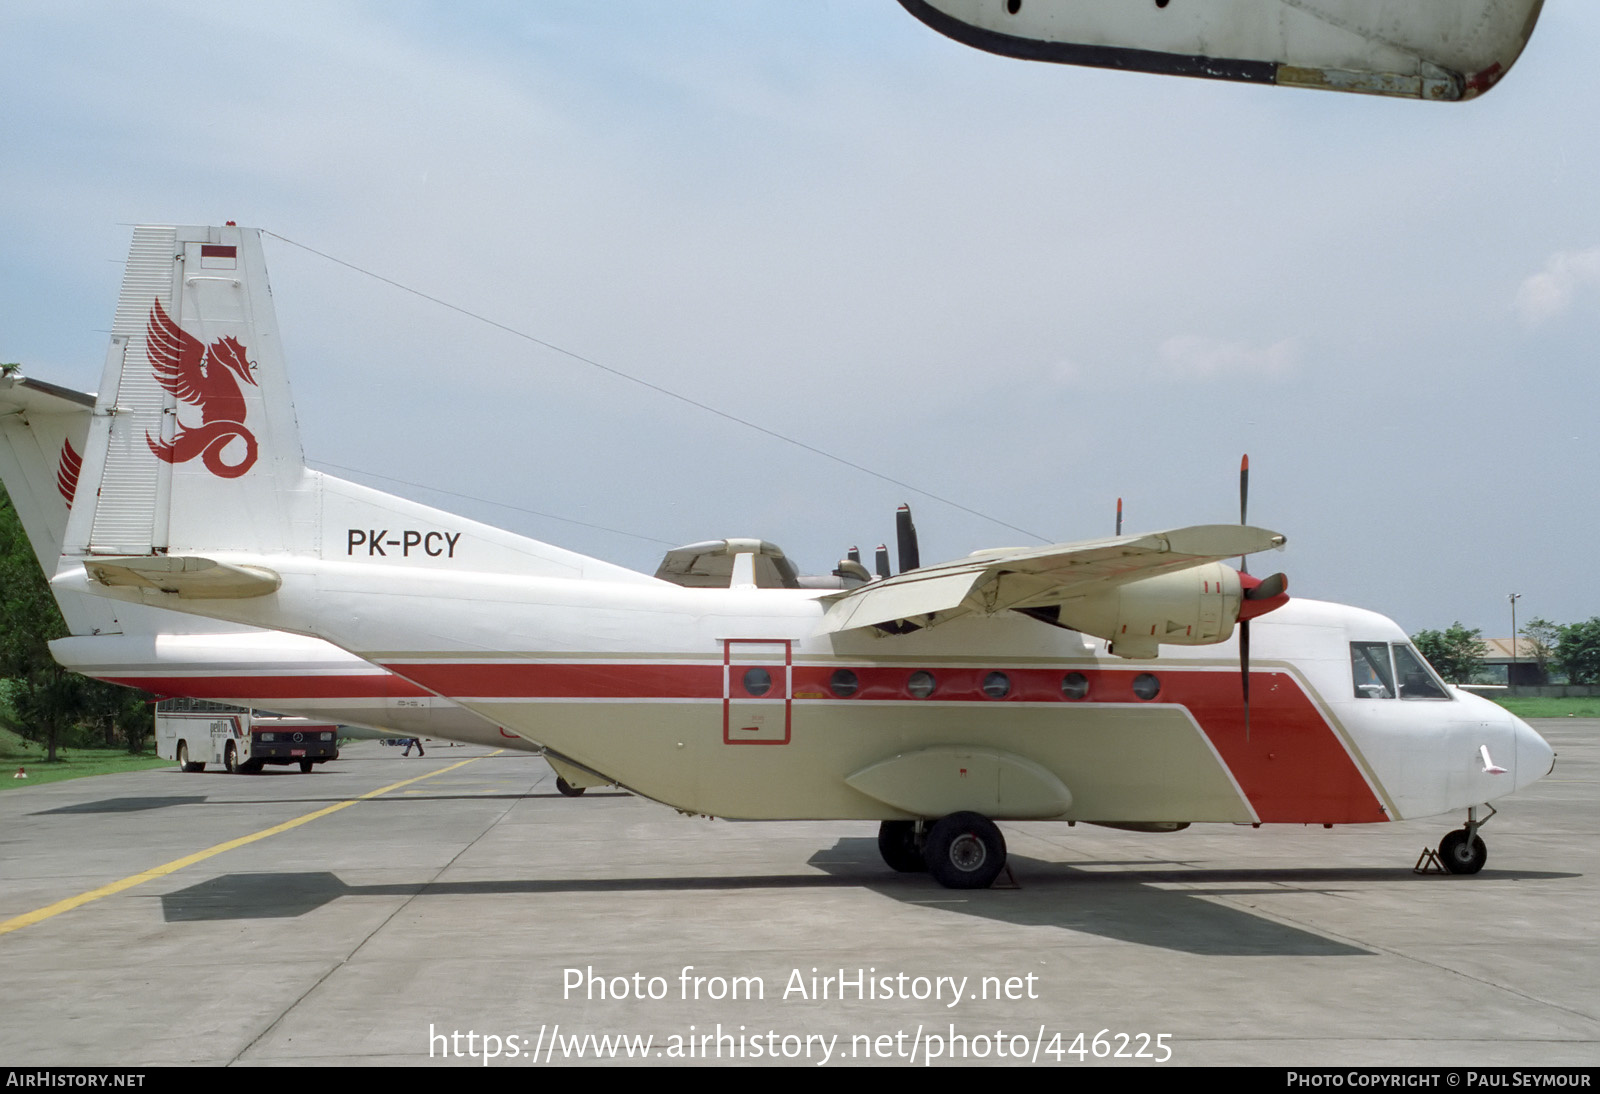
{"points": [[27, 919]]}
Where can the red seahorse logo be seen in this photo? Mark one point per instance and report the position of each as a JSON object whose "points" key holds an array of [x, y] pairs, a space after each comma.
{"points": [[208, 377], [67, 469]]}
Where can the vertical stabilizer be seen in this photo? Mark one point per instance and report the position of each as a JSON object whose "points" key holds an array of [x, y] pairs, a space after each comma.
{"points": [[194, 452], [193, 401]]}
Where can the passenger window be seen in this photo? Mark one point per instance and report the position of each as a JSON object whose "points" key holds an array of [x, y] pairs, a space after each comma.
{"points": [[997, 685], [1416, 680], [757, 682], [1369, 668]]}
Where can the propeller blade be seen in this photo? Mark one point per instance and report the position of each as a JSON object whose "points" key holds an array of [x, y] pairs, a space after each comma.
{"points": [[1244, 488], [1244, 672], [1244, 502], [1244, 620], [905, 533], [1119, 516], [853, 554], [883, 560]]}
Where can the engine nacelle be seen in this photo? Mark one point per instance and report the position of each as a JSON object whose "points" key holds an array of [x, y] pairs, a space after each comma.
{"points": [[1193, 607]]}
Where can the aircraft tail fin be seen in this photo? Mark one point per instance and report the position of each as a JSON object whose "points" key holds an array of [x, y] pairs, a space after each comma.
{"points": [[183, 418], [194, 452]]}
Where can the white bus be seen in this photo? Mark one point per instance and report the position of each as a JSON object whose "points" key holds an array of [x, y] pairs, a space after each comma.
{"points": [[196, 732]]}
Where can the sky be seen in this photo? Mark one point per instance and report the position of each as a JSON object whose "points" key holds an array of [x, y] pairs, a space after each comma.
{"points": [[1027, 289]]}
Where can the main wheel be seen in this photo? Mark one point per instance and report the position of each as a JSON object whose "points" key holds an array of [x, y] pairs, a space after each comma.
{"points": [[230, 758], [900, 848], [1461, 856], [183, 760], [568, 790], [965, 851]]}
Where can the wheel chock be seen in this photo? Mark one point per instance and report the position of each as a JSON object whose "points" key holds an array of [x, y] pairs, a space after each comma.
{"points": [[1011, 879], [1428, 863]]}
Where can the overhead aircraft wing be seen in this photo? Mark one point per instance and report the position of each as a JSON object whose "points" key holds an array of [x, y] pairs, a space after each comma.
{"points": [[994, 581], [1423, 49]]}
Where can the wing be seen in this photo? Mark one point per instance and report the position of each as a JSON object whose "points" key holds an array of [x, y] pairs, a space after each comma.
{"points": [[996, 581], [1427, 49], [176, 357]]}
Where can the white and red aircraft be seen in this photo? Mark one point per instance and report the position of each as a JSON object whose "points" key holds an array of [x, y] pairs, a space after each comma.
{"points": [[1443, 50], [1095, 682]]}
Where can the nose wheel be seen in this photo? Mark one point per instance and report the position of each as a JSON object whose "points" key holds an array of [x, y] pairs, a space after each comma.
{"points": [[1463, 851], [1460, 852]]}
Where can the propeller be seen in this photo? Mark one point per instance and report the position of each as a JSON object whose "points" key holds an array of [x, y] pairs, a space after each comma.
{"points": [[1261, 595], [882, 561], [1119, 516]]}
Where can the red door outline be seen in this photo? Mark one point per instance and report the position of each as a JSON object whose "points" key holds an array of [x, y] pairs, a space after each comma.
{"points": [[750, 719]]}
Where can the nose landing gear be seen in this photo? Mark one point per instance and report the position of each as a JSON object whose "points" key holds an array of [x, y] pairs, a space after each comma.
{"points": [[1463, 851]]}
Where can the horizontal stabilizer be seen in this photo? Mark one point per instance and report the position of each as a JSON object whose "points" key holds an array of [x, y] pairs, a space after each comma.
{"points": [[189, 578], [24, 393], [995, 581]]}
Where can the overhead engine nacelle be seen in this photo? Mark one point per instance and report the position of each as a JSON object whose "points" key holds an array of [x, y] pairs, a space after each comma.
{"points": [[1193, 607]]}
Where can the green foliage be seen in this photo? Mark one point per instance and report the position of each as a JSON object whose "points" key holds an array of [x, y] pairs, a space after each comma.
{"points": [[73, 764], [1456, 653], [1542, 638], [1578, 651], [44, 701]]}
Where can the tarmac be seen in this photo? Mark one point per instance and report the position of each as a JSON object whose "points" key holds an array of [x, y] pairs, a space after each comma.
{"points": [[455, 909]]}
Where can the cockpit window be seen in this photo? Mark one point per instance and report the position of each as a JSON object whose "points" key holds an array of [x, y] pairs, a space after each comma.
{"points": [[1369, 665], [1374, 673], [1417, 681]]}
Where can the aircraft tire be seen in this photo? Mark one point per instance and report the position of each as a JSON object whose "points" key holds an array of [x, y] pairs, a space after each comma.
{"points": [[306, 766], [965, 851], [897, 843], [230, 759], [568, 790], [1460, 856]]}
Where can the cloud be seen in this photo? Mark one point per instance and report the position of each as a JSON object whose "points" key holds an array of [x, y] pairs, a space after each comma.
{"points": [[1550, 292], [1202, 358]]}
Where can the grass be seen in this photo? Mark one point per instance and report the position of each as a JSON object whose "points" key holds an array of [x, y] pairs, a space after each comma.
{"points": [[71, 763], [1553, 708]]}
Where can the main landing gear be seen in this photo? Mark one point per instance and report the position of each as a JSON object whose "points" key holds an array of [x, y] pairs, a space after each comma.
{"points": [[1463, 851], [961, 851]]}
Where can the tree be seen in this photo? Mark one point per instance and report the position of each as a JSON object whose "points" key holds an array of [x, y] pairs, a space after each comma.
{"points": [[45, 698], [1542, 636], [1455, 653], [1578, 651]]}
